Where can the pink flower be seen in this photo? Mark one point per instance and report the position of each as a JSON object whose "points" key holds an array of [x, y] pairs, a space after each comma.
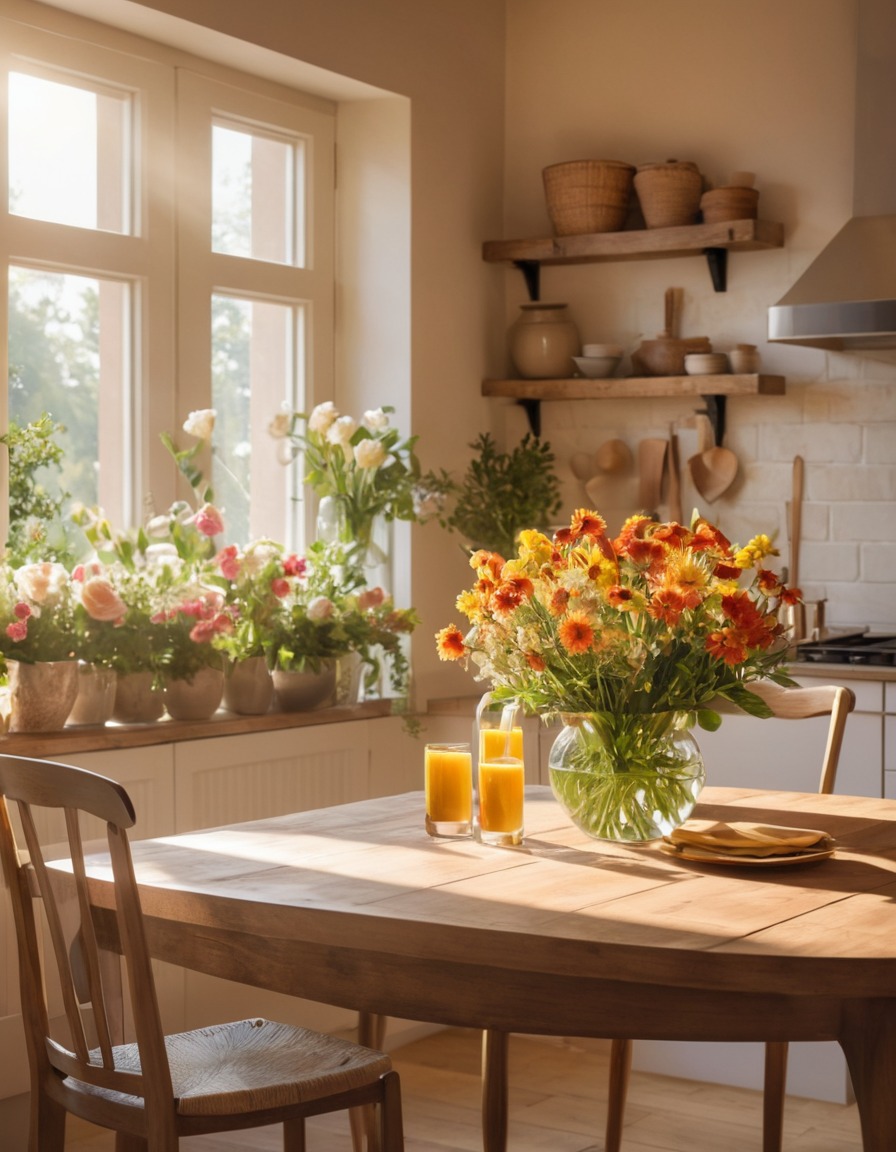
{"points": [[228, 561], [280, 587], [295, 565], [101, 601], [371, 598], [320, 608], [22, 611], [209, 520], [17, 630]]}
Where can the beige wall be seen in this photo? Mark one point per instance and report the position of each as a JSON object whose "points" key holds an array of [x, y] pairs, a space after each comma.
{"points": [[768, 88]]}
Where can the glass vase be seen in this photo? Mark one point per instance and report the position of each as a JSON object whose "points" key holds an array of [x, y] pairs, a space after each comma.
{"points": [[626, 777]]}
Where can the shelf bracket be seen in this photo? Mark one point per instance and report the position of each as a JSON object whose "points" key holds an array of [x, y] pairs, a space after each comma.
{"points": [[533, 415], [717, 260], [715, 410], [531, 270]]}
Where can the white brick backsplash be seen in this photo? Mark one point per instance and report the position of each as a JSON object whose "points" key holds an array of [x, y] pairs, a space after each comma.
{"points": [[878, 564], [824, 562], [880, 443], [864, 522], [846, 484], [816, 443]]}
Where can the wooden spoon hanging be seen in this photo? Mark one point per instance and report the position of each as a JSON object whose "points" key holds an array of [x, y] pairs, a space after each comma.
{"points": [[713, 469]]}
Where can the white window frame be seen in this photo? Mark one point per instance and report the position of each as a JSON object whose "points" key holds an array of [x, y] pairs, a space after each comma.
{"points": [[170, 362]]}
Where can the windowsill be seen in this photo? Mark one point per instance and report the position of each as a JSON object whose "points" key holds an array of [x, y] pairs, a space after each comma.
{"points": [[167, 731]]}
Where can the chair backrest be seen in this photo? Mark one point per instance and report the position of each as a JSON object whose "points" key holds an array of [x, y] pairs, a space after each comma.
{"points": [[801, 704], [72, 808]]}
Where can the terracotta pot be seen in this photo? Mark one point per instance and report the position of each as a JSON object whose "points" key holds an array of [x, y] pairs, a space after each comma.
{"points": [[196, 699], [248, 687], [41, 695], [95, 700], [136, 700], [304, 691]]}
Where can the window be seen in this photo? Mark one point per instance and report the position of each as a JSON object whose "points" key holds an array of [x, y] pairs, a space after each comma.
{"points": [[167, 238]]}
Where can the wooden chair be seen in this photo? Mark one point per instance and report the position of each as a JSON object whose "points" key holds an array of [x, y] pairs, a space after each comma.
{"points": [[786, 704], [158, 1088]]}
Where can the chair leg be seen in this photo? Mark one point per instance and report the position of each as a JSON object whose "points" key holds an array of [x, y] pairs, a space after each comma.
{"points": [[391, 1130], [47, 1124], [495, 1047], [620, 1070], [125, 1142], [294, 1135], [773, 1095]]}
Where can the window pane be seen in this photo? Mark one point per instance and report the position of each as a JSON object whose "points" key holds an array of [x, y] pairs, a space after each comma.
{"points": [[254, 189], [255, 368], [69, 154], [68, 341]]}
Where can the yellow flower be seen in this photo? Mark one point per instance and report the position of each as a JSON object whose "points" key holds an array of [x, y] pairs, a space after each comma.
{"points": [[755, 551]]}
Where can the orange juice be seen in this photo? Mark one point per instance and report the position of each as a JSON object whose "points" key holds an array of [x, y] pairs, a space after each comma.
{"points": [[492, 744], [501, 800], [448, 783]]}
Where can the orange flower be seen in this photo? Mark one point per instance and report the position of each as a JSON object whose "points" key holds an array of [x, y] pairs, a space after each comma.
{"points": [[510, 594], [621, 597], [450, 643], [490, 561], [559, 601], [535, 662], [576, 633], [667, 605], [584, 522], [727, 645]]}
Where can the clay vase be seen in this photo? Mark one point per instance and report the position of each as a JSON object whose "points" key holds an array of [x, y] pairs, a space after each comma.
{"points": [[543, 342], [95, 700], [196, 699], [248, 687], [41, 695], [136, 700], [303, 691]]}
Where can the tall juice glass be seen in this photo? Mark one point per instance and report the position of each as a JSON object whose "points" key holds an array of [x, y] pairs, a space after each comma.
{"points": [[448, 785], [500, 776]]}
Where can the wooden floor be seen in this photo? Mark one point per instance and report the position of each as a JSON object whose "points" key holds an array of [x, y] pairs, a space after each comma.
{"points": [[557, 1101]]}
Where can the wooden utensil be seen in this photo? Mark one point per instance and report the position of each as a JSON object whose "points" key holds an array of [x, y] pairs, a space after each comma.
{"points": [[796, 521], [713, 468], [651, 465], [674, 488], [583, 465]]}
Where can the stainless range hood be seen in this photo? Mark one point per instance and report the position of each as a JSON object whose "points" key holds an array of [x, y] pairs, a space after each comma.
{"points": [[846, 299]]}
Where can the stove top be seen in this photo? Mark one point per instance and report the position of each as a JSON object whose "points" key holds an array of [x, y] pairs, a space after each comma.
{"points": [[850, 648]]}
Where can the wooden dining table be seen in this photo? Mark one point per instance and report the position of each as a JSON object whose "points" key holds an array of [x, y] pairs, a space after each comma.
{"points": [[357, 906]]}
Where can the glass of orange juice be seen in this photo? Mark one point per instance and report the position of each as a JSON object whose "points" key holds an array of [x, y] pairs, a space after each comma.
{"points": [[501, 781], [448, 784]]}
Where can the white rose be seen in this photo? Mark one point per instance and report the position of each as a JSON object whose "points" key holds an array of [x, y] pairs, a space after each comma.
{"points": [[158, 526], [320, 608], [258, 554], [201, 423], [279, 426], [376, 420], [41, 583], [341, 430], [322, 417], [369, 454]]}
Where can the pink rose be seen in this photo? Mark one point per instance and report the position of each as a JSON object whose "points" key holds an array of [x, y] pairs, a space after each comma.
{"points": [[101, 601], [280, 587], [228, 561], [209, 520], [17, 631], [371, 598], [320, 608]]}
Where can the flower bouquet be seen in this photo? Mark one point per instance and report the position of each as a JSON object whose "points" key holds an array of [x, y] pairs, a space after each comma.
{"points": [[631, 639]]}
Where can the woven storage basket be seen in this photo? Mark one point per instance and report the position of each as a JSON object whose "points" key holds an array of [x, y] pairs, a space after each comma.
{"points": [[588, 195], [729, 204], [669, 194]]}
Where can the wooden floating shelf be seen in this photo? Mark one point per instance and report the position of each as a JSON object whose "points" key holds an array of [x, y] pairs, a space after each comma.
{"points": [[635, 387], [640, 243]]}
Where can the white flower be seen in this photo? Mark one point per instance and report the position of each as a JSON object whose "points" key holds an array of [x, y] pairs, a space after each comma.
{"points": [[201, 423], [41, 583], [258, 554], [322, 417], [376, 420], [369, 454], [341, 430], [158, 527], [320, 608], [280, 425], [159, 554]]}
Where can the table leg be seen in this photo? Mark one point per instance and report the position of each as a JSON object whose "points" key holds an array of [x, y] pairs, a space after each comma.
{"points": [[495, 1047], [868, 1040], [371, 1033]]}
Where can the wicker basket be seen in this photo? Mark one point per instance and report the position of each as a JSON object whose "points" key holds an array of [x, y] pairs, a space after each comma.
{"points": [[669, 193], [729, 204], [588, 195]]}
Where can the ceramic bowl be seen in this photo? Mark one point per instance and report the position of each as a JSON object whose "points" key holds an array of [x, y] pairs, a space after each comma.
{"points": [[597, 367], [602, 350], [706, 363]]}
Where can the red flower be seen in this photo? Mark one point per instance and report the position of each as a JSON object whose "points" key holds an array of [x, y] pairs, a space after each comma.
{"points": [[295, 565]]}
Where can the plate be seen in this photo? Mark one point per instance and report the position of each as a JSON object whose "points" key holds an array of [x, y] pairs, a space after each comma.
{"points": [[705, 856]]}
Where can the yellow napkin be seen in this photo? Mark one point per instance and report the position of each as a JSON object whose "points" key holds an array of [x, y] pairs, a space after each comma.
{"points": [[744, 839]]}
